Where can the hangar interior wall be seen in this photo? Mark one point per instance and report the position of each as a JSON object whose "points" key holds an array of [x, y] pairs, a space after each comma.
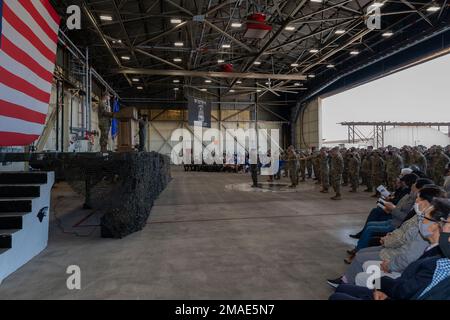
{"points": [[163, 122], [308, 126]]}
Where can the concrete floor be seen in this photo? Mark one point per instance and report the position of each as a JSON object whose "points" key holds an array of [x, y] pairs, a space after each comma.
{"points": [[203, 241]]}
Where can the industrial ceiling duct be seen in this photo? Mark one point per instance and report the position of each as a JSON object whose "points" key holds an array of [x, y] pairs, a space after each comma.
{"points": [[257, 28]]}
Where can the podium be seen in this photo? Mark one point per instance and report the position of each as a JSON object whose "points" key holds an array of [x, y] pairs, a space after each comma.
{"points": [[128, 127]]}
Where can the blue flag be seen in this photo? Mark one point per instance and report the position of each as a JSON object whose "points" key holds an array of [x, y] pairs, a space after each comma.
{"points": [[114, 124]]}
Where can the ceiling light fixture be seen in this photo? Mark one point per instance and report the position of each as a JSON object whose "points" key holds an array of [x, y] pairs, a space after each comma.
{"points": [[289, 28], [176, 81], [330, 66], [226, 46], [220, 61], [178, 44], [294, 65], [125, 58], [208, 81], [257, 63], [340, 31], [106, 18], [140, 88], [433, 8], [236, 25], [135, 80], [388, 34], [314, 50], [177, 60], [354, 52], [176, 21]]}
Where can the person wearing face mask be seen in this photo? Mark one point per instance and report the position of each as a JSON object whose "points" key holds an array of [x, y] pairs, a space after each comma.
{"points": [[425, 244], [426, 278], [439, 288], [400, 247]]}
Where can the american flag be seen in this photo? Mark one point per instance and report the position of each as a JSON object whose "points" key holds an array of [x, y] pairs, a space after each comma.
{"points": [[28, 44]]}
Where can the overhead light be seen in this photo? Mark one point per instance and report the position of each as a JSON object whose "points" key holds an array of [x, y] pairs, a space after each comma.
{"points": [[294, 65], [177, 60], [203, 89], [135, 80], [388, 34], [311, 75], [258, 90], [377, 4], [314, 50], [330, 66], [125, 58], [354, 52], [220, 61], [239, 82], [208, 81], [105, 18], [433, 8], [140, 88], [176, 21], [257, 63], [340, 31], [176, 89], [317, 1], [236, 25], [297, 84], [289, 28], [178, 44], [226, 46], [176, 81], [117, 41], [232, 90], [267, 83]]}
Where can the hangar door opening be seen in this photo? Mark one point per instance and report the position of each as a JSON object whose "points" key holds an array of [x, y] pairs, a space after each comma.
{"points": [[417, 97]]}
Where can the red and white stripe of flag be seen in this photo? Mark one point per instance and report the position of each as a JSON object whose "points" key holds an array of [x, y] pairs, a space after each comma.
{"points": [[28, 44]]}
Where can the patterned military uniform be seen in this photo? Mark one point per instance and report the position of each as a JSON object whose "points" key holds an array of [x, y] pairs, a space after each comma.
{"points": [[420, 161], [315, 157], [354, 164], [302, 167], [366, 172], [309, 164], [439, 166], [377, 170], [324, 172], [394, 165], [345, 173], [336, 170], [292, 166]]}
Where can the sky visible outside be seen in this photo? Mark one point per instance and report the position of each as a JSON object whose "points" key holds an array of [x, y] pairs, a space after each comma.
{"points": [[421, 93]]}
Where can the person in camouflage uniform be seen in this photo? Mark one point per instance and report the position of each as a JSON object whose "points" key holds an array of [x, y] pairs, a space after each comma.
{"points": [[394, 166], [292, 166], [315, 157], [345, 174], [407, 156], [366, 171], [104, 121], [302, 165], [309, 164], [336, 170], [324, 170], [440, 162], [419, 160], [377, 170], [354, 164]]}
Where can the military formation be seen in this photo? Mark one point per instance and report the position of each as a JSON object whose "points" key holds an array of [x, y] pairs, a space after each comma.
{"points": [[363, 167]]}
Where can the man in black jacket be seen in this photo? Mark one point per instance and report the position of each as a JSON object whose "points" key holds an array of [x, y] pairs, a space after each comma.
{"points": [[425, 278]]}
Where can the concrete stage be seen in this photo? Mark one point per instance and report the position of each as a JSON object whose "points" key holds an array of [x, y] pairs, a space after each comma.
{"points": [[207, 238]]}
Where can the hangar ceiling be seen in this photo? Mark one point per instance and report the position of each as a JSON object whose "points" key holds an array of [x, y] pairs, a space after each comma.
{"points": [[151, 49]]}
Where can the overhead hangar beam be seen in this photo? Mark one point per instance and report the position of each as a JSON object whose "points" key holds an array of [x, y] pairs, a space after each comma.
{"points": [[212, 74]]}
